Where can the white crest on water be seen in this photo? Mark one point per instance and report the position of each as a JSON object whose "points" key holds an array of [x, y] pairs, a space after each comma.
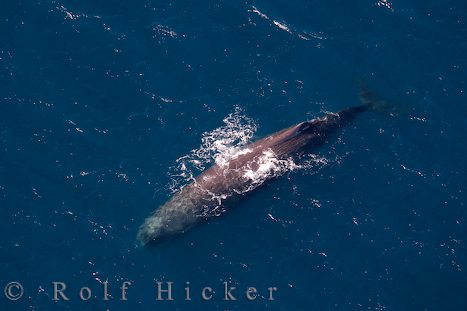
{"points": [[217, 146]]}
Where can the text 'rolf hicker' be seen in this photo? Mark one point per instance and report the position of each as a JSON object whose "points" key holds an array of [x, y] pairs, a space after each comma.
{"points": [[164, 291]]}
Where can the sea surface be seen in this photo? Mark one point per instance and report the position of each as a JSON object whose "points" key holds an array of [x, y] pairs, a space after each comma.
{"points": [[107, 108]]}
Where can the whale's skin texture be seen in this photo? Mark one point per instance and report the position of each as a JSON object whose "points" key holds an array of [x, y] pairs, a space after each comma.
{"points": [[201, 198]]}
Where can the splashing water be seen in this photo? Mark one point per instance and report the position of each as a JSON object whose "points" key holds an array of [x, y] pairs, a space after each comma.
{"points": [[227, 142], [218, 146]]}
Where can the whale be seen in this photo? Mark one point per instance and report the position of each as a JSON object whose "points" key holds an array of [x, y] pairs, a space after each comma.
{"points": [[207, 194]]}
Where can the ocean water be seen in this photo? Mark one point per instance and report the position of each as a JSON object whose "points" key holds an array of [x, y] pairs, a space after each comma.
{"points": [[104, 107]]}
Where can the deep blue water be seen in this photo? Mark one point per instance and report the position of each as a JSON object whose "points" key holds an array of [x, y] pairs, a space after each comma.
{"points": [[99, 99]]}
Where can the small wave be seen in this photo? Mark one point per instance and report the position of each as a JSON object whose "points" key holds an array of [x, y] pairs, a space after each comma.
{"points": [[69, 14], [278, 24], [301, 34], [386, 4], [256, 11], [165, 31], [282, 26]]}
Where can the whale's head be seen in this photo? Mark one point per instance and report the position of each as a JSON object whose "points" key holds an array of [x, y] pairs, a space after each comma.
{"points": [[151, 229], [174, 217]]}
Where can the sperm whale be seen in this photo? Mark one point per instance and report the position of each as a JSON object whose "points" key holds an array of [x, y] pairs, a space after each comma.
{"points": [[208, 191]]}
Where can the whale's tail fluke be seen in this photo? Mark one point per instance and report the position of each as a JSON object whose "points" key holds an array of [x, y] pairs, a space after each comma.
{"points": [[371, 100]]}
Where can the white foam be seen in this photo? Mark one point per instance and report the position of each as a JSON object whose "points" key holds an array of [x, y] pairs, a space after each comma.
{"points": [[218, 146], [229, 141], [302, 34], [386, 4], [268, 166], [282, 26], [256, 11]]}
